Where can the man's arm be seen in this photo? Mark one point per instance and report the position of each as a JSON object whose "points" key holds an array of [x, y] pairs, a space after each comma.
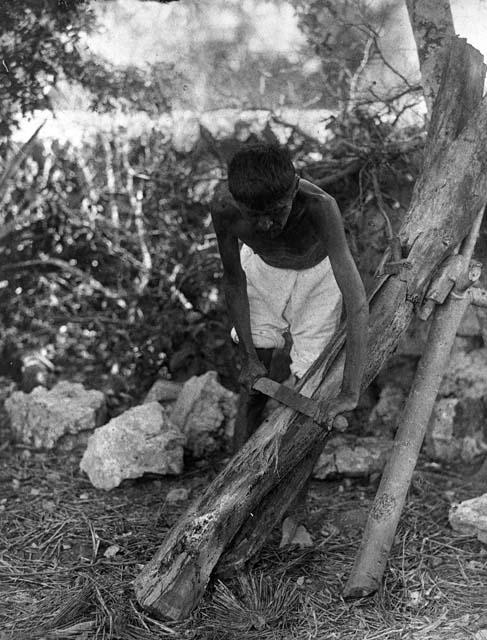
{"points": [[235, 287], [329, 222]]}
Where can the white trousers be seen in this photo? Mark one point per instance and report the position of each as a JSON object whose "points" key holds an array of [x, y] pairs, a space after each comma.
{"points": [[308, 303]]}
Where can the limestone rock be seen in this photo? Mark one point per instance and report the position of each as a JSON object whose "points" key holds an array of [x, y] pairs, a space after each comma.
{"points": [[349, 456], [163, 391], [470, 324], [205, 412], [457, 429], [458, 425], [466, 376], [62, 417], [383, 418], [470, 517], [141, 440]]}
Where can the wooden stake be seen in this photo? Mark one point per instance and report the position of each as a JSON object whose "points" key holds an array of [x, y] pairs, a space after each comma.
{"points": [[386, 510]]}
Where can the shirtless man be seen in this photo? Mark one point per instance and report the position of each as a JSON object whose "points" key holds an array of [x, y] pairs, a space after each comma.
{"points": [[291, 274]]}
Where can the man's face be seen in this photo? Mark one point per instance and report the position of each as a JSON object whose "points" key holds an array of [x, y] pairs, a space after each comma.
{"points": [[271, 220]]}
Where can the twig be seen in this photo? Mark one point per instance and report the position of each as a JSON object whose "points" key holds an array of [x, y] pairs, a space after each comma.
{"points": [[356, 76], [136, 200], [62, 264], [111, 182], [381, 205]]}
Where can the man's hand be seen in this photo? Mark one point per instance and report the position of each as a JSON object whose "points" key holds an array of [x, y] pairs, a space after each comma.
{"points": [[328, 411], [252, 370]]}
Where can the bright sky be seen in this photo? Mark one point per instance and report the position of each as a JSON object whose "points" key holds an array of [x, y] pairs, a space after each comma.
{"points": [[138, 32]]}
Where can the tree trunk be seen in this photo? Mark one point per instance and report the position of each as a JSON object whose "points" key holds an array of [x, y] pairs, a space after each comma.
{"points": [[431, 21], [441, 213]]}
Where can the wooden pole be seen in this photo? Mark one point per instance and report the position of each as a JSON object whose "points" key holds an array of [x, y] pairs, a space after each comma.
{"points": [[368, 569]]}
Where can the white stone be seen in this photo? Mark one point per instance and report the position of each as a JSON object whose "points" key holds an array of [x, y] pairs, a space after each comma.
{"points": [[458, 424], [349, 456], [456, 430], [141, 440], [163, 391], [61, 417], [205, 412], [470, 517]]}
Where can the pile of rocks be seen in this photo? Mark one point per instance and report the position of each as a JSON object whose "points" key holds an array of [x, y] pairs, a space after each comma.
{"points": [[151, 438], [457, 430], [197, 417]]}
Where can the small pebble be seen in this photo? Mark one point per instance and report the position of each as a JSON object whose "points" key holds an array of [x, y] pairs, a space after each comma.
{"points": [[111, 551], [177, 495]]}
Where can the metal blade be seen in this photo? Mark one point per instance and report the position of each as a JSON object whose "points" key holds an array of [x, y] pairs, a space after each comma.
{"points": [[286, 396]]}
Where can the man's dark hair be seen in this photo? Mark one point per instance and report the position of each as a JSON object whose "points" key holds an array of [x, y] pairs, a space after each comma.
{"points": [[260, 174]]}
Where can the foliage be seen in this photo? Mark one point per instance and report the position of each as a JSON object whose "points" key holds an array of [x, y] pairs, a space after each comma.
{"points": [[110, 263], [38, 42], [345, 37], [75, 272], [131, 88]]}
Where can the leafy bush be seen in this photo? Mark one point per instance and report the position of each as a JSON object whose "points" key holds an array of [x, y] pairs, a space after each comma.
{"points": [[109, 260]]}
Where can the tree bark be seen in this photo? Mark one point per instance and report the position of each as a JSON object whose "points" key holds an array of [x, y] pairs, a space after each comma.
{"points": [[174, 580], [431, 21]]}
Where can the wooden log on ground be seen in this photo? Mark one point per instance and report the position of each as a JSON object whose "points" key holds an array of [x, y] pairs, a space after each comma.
{"points": [[380, 529], [174, 580]]}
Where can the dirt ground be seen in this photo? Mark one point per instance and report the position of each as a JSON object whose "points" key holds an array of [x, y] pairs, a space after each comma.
{"points": [[69, 553]]}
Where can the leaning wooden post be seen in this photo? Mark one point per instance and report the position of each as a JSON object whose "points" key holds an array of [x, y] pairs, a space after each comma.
{"points": [[386, 510]]}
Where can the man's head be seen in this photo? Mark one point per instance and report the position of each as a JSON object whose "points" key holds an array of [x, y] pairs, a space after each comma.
{"points": [[263, 182]]}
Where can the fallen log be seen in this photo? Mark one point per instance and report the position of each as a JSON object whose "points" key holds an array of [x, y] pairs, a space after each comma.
{"points": [[454, 182]]}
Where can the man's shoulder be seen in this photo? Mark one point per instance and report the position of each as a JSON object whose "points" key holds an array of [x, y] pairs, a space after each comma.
{"points": [[314, 194], [222, 200]]}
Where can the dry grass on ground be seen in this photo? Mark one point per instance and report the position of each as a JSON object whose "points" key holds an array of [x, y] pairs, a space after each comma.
{"points": [[69, 554]]}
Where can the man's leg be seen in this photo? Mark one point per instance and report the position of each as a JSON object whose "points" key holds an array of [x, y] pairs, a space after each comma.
{"points": [[250, 407], [313, 325]]}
